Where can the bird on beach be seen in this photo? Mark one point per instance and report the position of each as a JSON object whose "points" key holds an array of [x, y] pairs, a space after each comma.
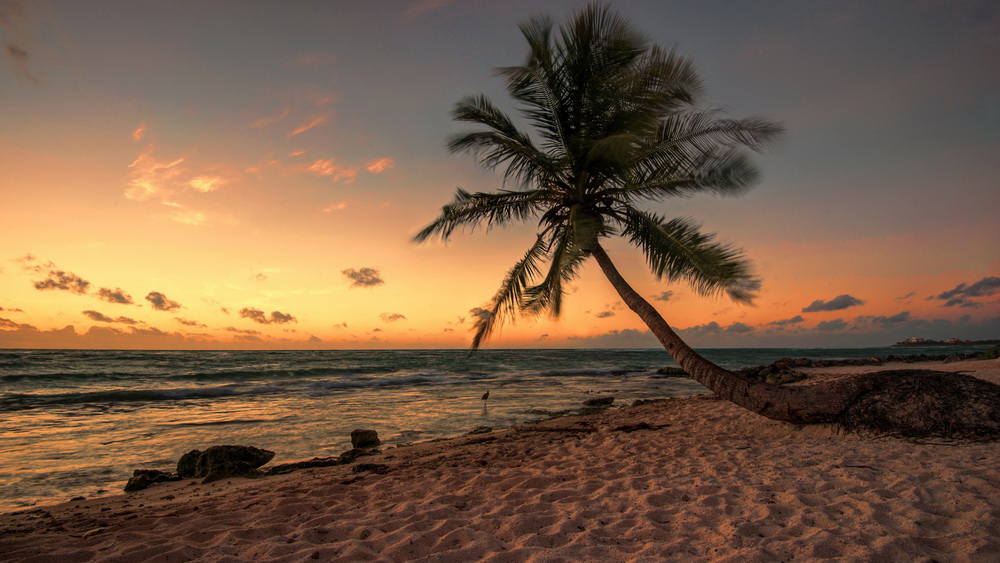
{"points": [[486, 396]]}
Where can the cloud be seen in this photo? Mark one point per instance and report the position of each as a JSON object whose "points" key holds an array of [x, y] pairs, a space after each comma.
{"points": [[882, 320], [835, 324], [150, 176], [739, 328], [116, 295], [308, 124], [785, 322], [95, 316], [67, 281], [161, 303], [336, 172], [665, 296], [11, 325], [139, 132], [625, 338], [365, 277], [242, 330], [962, 294], [379, 165], [391, 317], [205, 184], [187, 322], [314, 339], [335, 206], [907, 296], [838, 303], [12, 310], [258, 316], [701, 330], [480, 313], [604, 314]]}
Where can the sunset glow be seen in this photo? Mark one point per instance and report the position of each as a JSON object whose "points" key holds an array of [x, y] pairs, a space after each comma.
{"points": [[250, 175]]}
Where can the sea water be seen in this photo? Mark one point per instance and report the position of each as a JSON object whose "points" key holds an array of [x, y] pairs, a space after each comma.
{"points": [[76, 423]]}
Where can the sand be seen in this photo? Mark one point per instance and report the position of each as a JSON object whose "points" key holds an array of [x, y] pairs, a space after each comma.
{"points": [[700, 479]]}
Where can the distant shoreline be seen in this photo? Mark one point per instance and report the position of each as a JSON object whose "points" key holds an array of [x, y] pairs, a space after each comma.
{"points": [[942, 343]]}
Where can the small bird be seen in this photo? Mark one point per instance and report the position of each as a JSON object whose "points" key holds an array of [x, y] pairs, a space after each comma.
{"points": [[486, 395]]}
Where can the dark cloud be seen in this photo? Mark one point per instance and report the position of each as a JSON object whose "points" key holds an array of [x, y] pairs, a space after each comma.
{"points": [[12, 310], [785, 322], [161, 303], [66, 281], [314, 339], [835, 324], [625, 338], [258, 316], [962, 294], [7, 323], [700, 330], [882, 320], [391, 317], [116, 295], [376, 330], [838, 303], [665, 296], [480, 313], [604, 314], [907, 296], [365, 277], [187, 322], [100, 317], [739, 328], [241, 330]]}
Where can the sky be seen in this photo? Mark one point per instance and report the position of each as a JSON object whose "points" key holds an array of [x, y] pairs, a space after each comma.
{"points": [[205, 175]]}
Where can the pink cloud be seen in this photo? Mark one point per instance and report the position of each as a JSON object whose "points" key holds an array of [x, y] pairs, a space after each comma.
{"points": [[307, 125], [327, 167], [379, 165]]}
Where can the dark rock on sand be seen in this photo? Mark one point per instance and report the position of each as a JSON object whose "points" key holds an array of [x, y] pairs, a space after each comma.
{"points": [[364, 438], [222, 462], [599, 402], [142, 478]]}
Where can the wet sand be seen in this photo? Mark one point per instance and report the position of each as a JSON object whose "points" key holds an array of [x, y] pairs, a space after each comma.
{"points": [[681, 479]]}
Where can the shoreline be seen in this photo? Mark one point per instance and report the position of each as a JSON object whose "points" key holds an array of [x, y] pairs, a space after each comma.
{"points": [[681, 478]]}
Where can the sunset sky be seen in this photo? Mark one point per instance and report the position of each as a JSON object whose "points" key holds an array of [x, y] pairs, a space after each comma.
{"points": [[250, 174]]}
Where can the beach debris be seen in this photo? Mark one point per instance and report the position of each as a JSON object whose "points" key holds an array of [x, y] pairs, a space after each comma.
{"points": [[599, 402], [364, 438], [143, 478], [295, 466], [222, 462]]}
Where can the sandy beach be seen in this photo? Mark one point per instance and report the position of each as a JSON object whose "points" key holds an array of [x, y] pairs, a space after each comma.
{"points": [[680, 479]]}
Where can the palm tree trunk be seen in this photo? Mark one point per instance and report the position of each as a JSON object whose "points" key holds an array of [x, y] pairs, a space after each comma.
{"points": [[821, 402]]}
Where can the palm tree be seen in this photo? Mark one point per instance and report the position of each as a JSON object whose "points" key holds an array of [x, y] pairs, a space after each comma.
{"points": [[615, 126]]}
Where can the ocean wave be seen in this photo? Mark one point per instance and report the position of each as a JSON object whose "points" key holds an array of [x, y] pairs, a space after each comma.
{"points": [[23, 401], [612, 372]]}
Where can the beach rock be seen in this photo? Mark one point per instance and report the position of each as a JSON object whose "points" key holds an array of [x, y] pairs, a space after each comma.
{"points": [[372, 468], [599, 402], [364, 438], [142, 478], [187, 464], [954, 358], [222, 462], [672, 372]]}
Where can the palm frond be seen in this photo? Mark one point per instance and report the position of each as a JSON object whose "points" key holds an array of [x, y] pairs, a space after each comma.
{"points": [[678, 250], [507, 301], [473, 209]]}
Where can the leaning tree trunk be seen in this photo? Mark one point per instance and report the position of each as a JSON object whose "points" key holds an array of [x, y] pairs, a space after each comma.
{"points": [[822, 402]]}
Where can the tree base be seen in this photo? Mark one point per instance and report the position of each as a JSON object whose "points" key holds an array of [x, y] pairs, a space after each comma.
{"points": [[925, 404]]}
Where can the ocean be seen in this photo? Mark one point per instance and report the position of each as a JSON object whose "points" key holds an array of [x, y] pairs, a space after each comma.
{"points": [[77, 422]]}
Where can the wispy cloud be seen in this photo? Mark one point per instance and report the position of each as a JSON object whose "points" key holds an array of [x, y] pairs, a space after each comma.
{"points": [[160, 302], [364, 277], [150, 177], [337, 172], [139, 132], [797, 319], [391, 317], [664, 296], [207, 184], [335, 206], [188, 322], [604, 314], [265, 121], [838, 303], [379, 165], [309, 123]]}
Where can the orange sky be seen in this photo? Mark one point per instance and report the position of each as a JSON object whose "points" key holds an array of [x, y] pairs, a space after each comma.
{"points": [[250, 176]]}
